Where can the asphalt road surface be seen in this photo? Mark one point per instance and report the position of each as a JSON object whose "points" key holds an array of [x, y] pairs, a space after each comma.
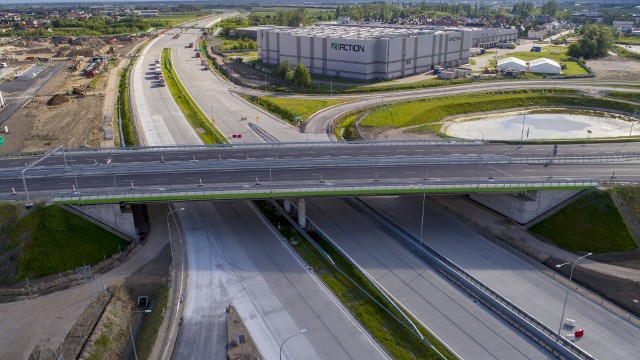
{"points": [[297, 175], [159, 120], [226, 245], [465, 326], [212, 95], [27, 89], [607, 336], [236, 257], [302, 151]]}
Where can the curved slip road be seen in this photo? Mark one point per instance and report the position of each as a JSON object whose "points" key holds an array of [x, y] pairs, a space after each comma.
{"points": [[607, 336], [465, 326]]}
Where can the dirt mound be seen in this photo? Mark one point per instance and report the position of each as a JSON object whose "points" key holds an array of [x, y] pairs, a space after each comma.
{"points": [[57, 99]]}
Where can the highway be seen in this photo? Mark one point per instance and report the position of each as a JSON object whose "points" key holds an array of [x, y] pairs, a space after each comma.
{"points": [[226, 245], [159, 121], [607, 335], [211, 93], [303, 151], [236, 257], [468, 328], [285, 174]]}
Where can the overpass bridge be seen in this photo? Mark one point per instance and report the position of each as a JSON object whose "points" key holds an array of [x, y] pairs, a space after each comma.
{"points": [[285, 170]]}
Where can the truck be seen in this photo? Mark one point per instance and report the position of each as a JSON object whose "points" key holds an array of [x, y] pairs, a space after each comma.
{"points": [[507, 45]]}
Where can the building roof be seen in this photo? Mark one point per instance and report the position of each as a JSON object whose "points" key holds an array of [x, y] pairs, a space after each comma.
{"points": [[359, 32], [542, 61], [511, 61]]}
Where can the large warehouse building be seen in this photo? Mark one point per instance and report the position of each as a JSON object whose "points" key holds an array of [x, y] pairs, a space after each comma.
{"points": [[365, 52]]}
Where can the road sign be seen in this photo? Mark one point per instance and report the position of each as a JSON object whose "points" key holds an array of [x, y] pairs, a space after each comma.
{"points": [[1, 141]]}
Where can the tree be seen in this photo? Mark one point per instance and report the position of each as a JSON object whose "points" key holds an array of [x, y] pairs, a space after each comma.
{"points": [[283, 68], [596, 41], [301, 76], [549, 8]]}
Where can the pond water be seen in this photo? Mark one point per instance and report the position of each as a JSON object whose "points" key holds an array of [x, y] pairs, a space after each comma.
{"points": [[539, 126]]}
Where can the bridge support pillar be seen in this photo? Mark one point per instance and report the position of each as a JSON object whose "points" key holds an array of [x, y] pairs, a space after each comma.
{"points": [[302, 213], [287, 206], [524, 207]]}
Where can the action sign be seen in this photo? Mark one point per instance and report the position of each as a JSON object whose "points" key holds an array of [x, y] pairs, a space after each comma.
{"points": [[1, 141]]}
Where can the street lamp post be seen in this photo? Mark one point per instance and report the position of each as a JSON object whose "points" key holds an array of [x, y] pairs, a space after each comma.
{"points": [[302, 331], [567, 296], [133, 342]]}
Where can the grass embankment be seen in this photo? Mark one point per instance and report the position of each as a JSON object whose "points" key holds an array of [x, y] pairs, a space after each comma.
{"points": [[50, 239], [124, 110], [629, 96], [188, 106], [390, 332], [288, 109], [427, 111], [556, 53], [631, 197], [152, 322], [592, 223], [626, 53]]}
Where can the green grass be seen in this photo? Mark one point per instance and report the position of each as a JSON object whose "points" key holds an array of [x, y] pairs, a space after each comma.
{"points": [[623, 95], [124, 109], [430, 110], [631, 196], [628, 40], [287, 109], [152, 322], [188, 106], [592, 223], [626, 53], [389, 328], [55, 240], [556, 53]]}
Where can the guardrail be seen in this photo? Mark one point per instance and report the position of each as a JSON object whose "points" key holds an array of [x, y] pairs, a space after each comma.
{"points": [[493, 301], [256, 191], [269, 162]]}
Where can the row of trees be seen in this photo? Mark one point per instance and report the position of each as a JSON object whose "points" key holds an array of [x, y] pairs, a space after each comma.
{"points": [[300, 76]]}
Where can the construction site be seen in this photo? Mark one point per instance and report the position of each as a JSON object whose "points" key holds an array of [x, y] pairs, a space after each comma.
{"points": [[67, 86]]}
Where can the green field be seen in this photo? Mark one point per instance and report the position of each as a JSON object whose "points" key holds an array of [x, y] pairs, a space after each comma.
{"points": [[430, 110], [152, 322], [273, 11], [50, 239], [625, 95], [556, 53], [626, 53], [288, 108], [592, 224]]}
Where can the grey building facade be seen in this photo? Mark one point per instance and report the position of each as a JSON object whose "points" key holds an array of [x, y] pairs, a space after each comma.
{"points": [[365, 52]]}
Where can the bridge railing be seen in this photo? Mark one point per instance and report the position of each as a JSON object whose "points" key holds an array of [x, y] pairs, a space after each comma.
{"points": [[266, 190]]}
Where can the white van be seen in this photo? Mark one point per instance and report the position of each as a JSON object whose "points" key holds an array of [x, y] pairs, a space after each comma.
{"points": [[3, 65]]}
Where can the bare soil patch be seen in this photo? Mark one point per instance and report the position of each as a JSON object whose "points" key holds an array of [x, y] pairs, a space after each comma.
{"points": [[615, 68], [57, 99]]}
